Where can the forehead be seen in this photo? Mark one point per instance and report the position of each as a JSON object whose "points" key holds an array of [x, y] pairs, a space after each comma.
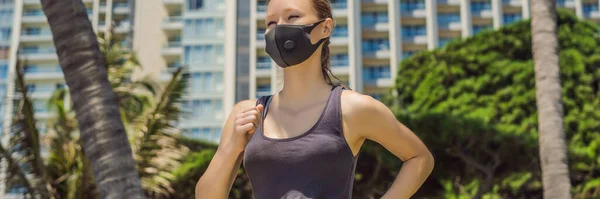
{"points": [[276, 7]]}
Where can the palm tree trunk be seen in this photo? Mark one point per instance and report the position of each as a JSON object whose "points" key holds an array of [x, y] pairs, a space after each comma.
{"points": [[103, 134], [553, 147]]}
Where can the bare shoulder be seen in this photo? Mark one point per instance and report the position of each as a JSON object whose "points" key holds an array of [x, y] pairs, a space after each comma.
{"points": [[355, 104]]}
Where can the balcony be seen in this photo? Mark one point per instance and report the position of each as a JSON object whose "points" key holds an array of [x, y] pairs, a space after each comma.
{"points": [[123, 27], [482, 13], [454, 25], [121, 8], [43, 73], [173, 23], [448, 2], [377, 54], [172, 48], [374, 1], [594, 15], [43, 36], [419, 39], [377, 76], [514, 3], [41, 94], [34, 16], [570, 4], [38, 54], [261, 10], [376, 26], [31, 2], [263, 69], [340, 66], [102, 7], [339, 41], [173, 2], [260, 35]]}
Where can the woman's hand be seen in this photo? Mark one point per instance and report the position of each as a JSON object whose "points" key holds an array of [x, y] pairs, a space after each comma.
{"points": [[245, 125]]}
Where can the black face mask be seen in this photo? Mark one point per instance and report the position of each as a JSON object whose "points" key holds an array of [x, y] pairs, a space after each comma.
{"points": [[290, 45]]}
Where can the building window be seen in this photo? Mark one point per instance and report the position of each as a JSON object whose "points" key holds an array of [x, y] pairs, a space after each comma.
{"points": [[510, 18], [5, 33], [409, 32], [203, 28], [202, 82], [444, 20], [339, 60], [3, 73], [589, 8], [195, 4], [376, 72], [200, 56], [407, 54], [263, 90], [263, 62], [340, 31], [477, 7], [374, 45], [408, 6], [479, 28], [444, 40], [372, 18]]}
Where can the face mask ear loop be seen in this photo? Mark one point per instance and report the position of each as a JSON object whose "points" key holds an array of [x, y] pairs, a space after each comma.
{"points": [[308, 29]]}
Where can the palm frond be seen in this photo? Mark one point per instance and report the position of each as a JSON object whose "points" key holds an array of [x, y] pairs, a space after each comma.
{"points": [[25, 143], [156, 148]]}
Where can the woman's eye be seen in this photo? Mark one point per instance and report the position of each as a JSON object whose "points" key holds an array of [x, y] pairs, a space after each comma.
{"points": [[293, 16], [271, 23]]}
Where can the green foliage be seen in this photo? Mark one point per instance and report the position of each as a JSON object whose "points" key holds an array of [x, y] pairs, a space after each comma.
{"points": [[190, 171], [155, 144], [478, 94]]}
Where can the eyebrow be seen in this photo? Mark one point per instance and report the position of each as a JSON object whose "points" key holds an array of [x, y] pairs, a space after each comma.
{"points": [[286, 10]]}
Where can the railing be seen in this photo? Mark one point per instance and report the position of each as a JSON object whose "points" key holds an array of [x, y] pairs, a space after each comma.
{"points": [[36, 69], [31, 13], [261, 8], [174, 44], [260, 35], [121, 5], [340, 32], [263, 65], [339, 5], [173, 19], [37, 33], [38, 51], [339, 62]]}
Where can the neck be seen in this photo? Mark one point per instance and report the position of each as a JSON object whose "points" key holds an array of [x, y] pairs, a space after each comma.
{"points": [[303, 82]]}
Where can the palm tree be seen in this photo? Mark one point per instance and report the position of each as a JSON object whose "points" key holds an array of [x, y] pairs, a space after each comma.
{"points": [[23, 154], [155, 140], [67, 165], [102, 131], [553, 147]]}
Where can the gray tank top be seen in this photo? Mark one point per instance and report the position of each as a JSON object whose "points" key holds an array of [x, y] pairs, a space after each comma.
{"points": [[317, 164]]}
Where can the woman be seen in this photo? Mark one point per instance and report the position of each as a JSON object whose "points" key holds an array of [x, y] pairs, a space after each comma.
{"points": [[305, 142]]}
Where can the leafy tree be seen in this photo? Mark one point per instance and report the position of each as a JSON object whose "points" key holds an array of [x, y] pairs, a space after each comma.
{"points": [[473, 103]]}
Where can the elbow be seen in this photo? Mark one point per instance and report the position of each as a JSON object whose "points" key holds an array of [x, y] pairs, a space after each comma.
{"points": [[429, 161]]}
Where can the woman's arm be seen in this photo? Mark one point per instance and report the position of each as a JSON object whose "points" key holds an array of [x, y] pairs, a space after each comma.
{"points": [[368, 118], [218, 178]]}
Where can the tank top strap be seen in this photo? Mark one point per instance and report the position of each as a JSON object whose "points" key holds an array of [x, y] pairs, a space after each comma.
{"points": [[264, 100], [332, 118]]}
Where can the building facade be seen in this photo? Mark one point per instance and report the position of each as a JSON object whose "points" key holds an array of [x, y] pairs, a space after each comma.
{"points": [[371, 37]]}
